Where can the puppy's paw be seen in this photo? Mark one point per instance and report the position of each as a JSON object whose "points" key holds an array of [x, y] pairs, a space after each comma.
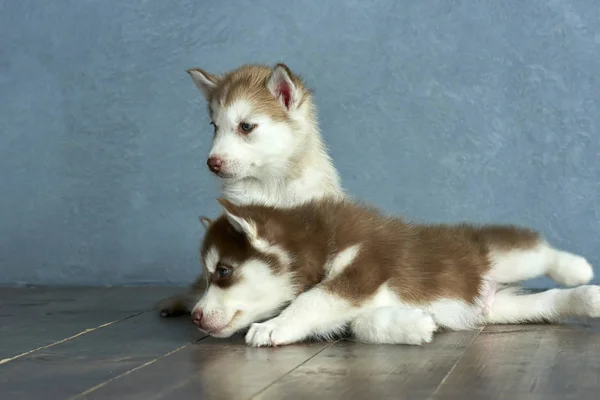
{"points": [[272, 333], [586, 301], [173, 306], [420, 330], [260, 334], [394, 325]]}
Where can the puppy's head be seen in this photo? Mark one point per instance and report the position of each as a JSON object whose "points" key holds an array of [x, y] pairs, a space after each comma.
{"points": [[257, 115], [248, 278]]}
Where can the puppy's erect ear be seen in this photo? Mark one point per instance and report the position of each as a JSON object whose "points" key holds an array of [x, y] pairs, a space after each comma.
{"points": [[204, 81], [282, 86], [240, 224], [272, 231], [205, 221]]}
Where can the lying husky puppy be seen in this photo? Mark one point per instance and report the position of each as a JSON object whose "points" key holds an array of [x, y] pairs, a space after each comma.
{"points": [[315, 269], [267, 148]]}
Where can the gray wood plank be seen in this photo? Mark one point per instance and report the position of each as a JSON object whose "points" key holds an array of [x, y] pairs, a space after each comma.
{"points": [[350, 370], [528, 362], [147, 357], [209, 369], [74, 366], [31, 318]]}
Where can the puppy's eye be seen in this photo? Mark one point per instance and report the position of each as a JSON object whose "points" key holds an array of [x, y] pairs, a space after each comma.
{"points": [[246, 127], [223, 271], [214, 126]]}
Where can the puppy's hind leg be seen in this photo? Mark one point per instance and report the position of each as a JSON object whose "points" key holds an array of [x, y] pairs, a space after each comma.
{"points": [[510, 306]]}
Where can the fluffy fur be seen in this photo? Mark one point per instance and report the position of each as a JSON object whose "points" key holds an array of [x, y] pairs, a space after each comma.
{"points": [[282, 160], [318, 268], [267, 148]]}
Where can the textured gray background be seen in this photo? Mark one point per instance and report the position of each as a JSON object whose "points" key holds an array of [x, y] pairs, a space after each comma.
{"points": [[440, 110]]}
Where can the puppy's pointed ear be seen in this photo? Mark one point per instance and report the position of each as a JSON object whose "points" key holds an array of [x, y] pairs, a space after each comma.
{"points": [[282, 86], [239, 223], [204, 81], [205, 221]]}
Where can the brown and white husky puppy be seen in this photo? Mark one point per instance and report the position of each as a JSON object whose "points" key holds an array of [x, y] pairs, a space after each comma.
{"points": [[267, 147], [319, 268]]}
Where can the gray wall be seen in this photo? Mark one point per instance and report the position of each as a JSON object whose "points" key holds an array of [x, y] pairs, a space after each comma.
{"points": [[441, 110]]}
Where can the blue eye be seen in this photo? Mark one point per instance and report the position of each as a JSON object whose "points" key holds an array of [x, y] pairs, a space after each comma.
{"points": [[246, 127], [223, 272]]}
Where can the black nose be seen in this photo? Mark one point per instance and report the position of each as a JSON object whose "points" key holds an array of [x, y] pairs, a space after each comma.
{"points": [[214, 164]]}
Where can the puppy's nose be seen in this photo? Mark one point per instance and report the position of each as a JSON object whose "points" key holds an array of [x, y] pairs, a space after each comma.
{"points": [[214, 164], [197, 318]]}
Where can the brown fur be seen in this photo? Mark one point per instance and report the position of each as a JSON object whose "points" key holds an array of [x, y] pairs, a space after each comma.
{"points": [[234, 246], [249, 82], [421, 263], [272, 225]]}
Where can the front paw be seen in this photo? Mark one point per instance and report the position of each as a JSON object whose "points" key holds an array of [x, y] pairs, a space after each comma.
{"points": [[261, 334], [173, 307], [271, 333]]}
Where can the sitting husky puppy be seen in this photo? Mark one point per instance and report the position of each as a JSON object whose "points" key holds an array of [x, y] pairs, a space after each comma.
{"points": [[315, 269], [267, 148]]}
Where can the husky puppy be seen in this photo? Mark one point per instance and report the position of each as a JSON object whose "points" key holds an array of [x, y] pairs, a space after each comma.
{"points": [[316, 269], [267, 147]]}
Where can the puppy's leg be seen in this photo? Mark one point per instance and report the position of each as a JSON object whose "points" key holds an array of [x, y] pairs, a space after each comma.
{"points": [[178, 305], [512, 307], [394, 325], [182, 304], [317, 312], [518, 254]]}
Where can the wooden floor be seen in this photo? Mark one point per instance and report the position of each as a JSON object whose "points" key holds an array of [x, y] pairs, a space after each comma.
{"points": [[109, 344]]}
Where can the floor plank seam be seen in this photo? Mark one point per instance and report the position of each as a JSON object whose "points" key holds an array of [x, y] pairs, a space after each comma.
{"points": [[94, 388], [290, 371], [100, 385], [455, 364], [202, 338], [84, 332]]}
